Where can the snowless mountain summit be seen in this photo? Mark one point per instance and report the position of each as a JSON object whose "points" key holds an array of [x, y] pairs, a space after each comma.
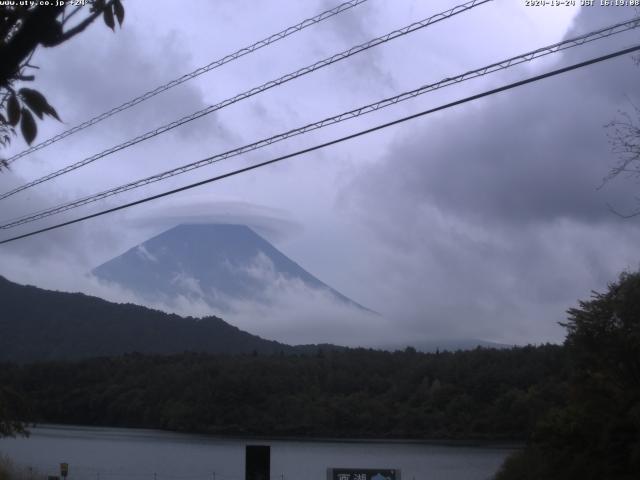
{"points": [[218, 264]]}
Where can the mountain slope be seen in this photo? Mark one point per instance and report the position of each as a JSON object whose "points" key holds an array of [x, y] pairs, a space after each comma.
{"points": [[215, 263], [42, 325], [39, 324]]}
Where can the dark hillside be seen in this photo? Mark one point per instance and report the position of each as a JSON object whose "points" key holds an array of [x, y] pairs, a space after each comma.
{"points": [[37, 324]]}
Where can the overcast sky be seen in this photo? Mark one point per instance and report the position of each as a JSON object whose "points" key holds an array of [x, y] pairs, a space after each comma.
{"points": [[481, 221]]}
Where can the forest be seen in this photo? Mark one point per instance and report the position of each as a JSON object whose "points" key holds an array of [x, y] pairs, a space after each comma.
{"points": [[479, 394]]}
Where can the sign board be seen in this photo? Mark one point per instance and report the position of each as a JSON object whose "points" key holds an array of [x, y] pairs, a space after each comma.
{"points": [[362, 474], [257, 462], [64, 469]]}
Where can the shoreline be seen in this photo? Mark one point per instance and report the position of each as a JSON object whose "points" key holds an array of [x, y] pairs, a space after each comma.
{"points": [[509, 444]]}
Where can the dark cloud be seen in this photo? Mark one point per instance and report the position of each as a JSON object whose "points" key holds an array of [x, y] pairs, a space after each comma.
{"points": [[99, 70], [537, 153], [531, 156], [495, 206]]}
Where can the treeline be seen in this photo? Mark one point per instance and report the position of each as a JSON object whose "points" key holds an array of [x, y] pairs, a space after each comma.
{"points": [[478, 394]]}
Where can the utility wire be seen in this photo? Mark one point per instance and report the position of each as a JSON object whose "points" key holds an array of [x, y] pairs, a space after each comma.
{"points": [[188, 76], [502, 65], [256, 90], [336, 141]]}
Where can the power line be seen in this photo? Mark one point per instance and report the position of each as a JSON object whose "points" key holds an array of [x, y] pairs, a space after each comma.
{"points": [[502, 65], [336, 141], [199, 71], [256, 90]]}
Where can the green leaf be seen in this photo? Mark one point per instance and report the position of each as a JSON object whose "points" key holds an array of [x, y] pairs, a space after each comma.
{"points": [[107, 14], [38, 103], [118, 9], [28, 126], [13, 110], [52, 112], [34, 100]]}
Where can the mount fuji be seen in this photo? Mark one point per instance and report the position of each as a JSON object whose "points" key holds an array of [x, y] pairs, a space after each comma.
{"points": [[218, 264]]}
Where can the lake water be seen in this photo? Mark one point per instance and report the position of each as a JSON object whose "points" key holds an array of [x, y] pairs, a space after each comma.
{"points": [[130, 454]]}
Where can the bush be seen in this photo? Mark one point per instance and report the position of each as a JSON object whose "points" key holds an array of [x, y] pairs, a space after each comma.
{"points": [[10, 471]]}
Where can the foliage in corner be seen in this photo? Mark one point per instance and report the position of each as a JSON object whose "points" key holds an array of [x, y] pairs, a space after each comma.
{"points": [[597, 433], [23, 28]]}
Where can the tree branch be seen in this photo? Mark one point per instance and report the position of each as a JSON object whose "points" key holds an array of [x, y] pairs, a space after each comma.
{"points": [[36, 26], [623, 215], [82, 25], [68, 17]]}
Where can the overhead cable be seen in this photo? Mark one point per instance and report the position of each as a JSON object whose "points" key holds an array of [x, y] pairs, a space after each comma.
{"points": [[256, 90], [188, 76], [372, 107], [487, 93]]}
